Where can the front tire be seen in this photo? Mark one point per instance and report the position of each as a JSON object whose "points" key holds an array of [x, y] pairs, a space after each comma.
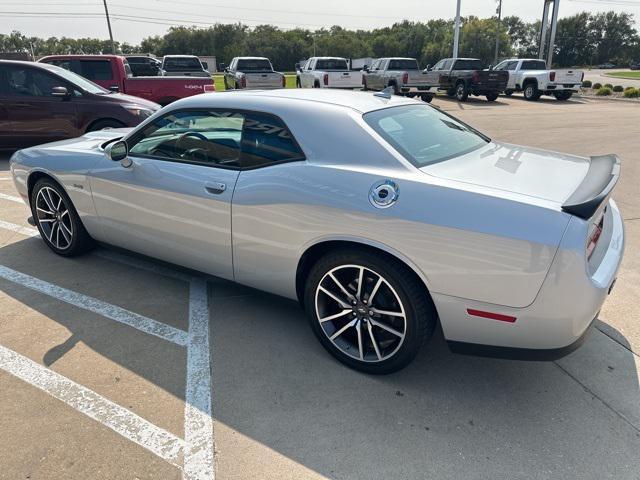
{"points": [[370, 312], [462, 93], [57, 220], [508, 93]]}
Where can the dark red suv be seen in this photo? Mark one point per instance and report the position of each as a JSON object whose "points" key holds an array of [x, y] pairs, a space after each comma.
{"points": [[42, 103]]}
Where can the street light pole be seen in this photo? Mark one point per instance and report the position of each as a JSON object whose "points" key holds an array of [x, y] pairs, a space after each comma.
{"points": [[495, 60], [106, 12], [456, 34]]}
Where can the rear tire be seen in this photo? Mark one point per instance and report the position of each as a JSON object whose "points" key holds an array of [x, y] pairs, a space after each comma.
{"points": [[562, 96], [376, 349], [508, 93], [492, 97], [451, 92], [461, 92], [396, 90], [57, 220], [531, 92], [427, 97]]}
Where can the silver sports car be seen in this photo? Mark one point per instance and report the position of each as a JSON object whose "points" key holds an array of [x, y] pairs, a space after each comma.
{"points": [[381, 215]]}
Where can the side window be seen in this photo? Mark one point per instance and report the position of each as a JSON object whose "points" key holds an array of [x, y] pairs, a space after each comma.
{"points": [[512, 65], [30, 82], [267, 140], [217, 138], [438, 66], [96, 69], [500, 66]]}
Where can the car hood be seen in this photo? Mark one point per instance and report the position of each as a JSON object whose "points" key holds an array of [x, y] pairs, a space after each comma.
{"points": [[129, 99], [525, 171]]}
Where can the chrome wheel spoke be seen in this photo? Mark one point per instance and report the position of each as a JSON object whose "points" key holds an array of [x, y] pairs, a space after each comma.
{"points": [[337, 315], [342, 303], [387, 313], [58, 236], [375, 290], [360, 280], [50, 202], [391, 330], [51, 211], [47, 220], [359, 332], [50, 236], [64, 229], [344, 290], [343, 329], [373, 340], [44, 211]]}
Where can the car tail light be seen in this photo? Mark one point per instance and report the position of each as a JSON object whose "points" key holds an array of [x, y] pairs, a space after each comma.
{"points": [[552, 76], [284, 81], [405, 77], [243, 82], [210, 88], [594, 237], [475, 76], [325, 79]]}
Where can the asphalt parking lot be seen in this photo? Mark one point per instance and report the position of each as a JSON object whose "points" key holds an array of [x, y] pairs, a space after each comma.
{"points": [[114, 366]]}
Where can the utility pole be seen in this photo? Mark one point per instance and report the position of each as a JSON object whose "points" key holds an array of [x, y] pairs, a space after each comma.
{"points": [[106, 12], [456, 33], [499, 12]]}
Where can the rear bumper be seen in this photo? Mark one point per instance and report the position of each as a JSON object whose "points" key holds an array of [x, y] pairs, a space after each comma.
{"points": [[416, 89], [564, 309]]}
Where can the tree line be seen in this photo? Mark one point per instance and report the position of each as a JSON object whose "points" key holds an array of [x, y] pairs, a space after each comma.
{"points": [[582, 39]]}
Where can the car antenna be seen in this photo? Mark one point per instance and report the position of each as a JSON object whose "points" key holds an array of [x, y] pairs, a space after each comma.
{"points": [[386, 93]]}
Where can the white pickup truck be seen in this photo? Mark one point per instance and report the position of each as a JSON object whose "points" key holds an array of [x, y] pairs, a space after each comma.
{"points": [[252, 73], [531, 76], [328, 72]]}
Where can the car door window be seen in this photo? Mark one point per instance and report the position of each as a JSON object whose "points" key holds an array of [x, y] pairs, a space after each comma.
{"points": [[226, 139], [500, 66], [438, 66], [512, 65], [30, 82], [96, 69]]}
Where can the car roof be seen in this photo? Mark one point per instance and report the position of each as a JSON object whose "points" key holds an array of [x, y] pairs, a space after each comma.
{"points": [[44, 66], [252, 58], [105, 56], [180, 56], [362, 102], [398, 58]]}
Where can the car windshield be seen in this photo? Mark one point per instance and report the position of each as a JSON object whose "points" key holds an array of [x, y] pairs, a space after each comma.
{"points": [[533, 65], [332, 64], [254, 65], [179, 64], [470, 64], [423, 134], [77, 80], [403, 65]]}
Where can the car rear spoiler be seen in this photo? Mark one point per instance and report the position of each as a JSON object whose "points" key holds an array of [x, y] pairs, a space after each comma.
{"points": [[602, 176]]}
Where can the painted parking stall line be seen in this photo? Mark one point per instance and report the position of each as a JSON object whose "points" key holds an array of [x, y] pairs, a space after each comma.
{"points": [[12, 227], [134, 428], [11, 198], [107, 310]]}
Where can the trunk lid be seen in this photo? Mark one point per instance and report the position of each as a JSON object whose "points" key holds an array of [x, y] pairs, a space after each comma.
{"points": [[568, 76], [493, 79], [521, 170], [263, 79], [345, 79], [417, 77]]}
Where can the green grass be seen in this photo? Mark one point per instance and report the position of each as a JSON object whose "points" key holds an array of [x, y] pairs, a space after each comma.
{"points": [[219, 82], [634, 75]]}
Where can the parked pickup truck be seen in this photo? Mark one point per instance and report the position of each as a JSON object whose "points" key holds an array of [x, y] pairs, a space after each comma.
{"points": [[402, 74], [328, 72], [461, 77], [252, 73], [531, 76], [114, 73], [184, 66]]}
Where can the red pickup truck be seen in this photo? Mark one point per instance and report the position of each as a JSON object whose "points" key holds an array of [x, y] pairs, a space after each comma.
{"points": [[114, 73]]}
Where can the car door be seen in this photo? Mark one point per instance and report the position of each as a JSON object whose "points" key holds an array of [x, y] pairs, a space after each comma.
{"points": [[511, 68], [6, 131], [35, 114], [373, 77], [306, 76], [174, 201], [433, 74]]}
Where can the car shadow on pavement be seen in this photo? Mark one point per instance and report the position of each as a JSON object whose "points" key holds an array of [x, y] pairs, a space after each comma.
{"points": [[280, 397], [475, 101]]}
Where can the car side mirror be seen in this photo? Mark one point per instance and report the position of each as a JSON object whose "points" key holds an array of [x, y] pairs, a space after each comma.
{"points": [[119, 152], [365, 68], [59, 92], [222, 67], [429, 68], [114, 88], [490, 67], [226, 70]]}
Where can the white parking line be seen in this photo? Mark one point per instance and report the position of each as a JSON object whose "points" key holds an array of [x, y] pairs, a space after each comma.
{"points": [[198, 423], [155, 439], [28, 231], [12, 198], [113, 312]]}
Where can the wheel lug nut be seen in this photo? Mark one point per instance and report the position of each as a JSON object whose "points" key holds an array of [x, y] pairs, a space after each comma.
{"points": [[370, 312]]}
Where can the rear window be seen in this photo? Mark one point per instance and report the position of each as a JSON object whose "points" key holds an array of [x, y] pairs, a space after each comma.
{"points": [[182, 64], [533, 65], [96, 69], [423, 134], [332, 64], [468, 65], [254, 65], [403, 65]]}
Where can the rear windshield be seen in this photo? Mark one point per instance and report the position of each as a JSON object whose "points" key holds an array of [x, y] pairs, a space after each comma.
{"points": [[423, 134], [403, 65], [182, 64], [256, 65], [332, 64], [468, 65], [533, 65], [77, 80]]}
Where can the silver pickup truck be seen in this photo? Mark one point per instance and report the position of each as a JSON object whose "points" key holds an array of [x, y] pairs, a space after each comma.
{"points": [[252, 73], [402, 74]]}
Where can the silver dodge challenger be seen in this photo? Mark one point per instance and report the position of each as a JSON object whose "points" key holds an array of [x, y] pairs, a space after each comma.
{"points": [[382, 215]]}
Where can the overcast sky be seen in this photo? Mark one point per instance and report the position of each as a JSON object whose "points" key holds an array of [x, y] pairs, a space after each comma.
{"points": [[134, 20]]}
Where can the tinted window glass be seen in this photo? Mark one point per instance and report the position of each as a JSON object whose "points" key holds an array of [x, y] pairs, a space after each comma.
{"points": [[77, 80], [96, 69], [179, 64], [332, 64], [218, 138], [254, 65], [30, 82], [533, 65], [512, 65], [424, 135], [403, 65], [468, 65]]}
